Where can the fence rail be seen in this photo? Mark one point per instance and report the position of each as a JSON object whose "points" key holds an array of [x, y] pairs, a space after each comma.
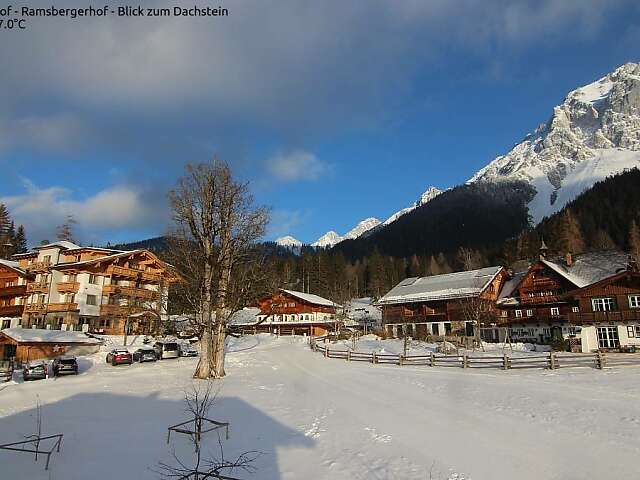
{"points": [[552, 360]]}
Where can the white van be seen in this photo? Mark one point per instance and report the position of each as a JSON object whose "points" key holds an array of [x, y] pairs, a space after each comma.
{"points": [[166, 350]]}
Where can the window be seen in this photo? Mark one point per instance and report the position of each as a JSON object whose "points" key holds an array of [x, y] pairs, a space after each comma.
{"points": [[575, 309], [504, 313], [518, 313], [71, 277], [637, 331], [631, 331], [529, 313], [604, 304], [546, 331], [608, 337], [634, 301], [92, 300], [93, 279], [555, 311]]}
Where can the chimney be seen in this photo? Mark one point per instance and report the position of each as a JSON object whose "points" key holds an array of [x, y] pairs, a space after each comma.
{"points": [[568, 259]]}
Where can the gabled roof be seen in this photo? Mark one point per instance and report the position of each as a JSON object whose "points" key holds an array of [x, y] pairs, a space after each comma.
{"points": [[14, 266], [441, 287], [37, 335], [62, 244], [591, 267], [310, 298], [510, 286], [113, 256]]}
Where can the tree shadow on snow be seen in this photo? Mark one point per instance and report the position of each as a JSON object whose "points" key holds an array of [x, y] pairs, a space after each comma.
{"points": [[111, 435]]}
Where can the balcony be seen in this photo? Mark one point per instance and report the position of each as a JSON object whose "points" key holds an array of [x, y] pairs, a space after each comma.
{"points": [[130, 292], [11, 310], [119, 310], [118, 271], [38, 266], [62, 307], [68, 287], [416, 318], [605, 317], [13, 291], [35, 308], [38, 287]]}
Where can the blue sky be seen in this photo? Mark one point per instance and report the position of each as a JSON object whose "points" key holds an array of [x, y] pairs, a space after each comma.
{"points": [[334, 111]]}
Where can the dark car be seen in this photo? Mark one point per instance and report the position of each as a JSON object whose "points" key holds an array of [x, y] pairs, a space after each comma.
{"points": [[119, 356], [67, 365], [35, 370], [144, 354], [187, 350], [166, 349], [6, 370]]}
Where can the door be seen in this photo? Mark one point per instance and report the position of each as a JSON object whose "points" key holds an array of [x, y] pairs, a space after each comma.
{"points": [[608, 337]]}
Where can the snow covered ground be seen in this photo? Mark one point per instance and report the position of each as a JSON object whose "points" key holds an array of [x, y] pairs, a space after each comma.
{"points": [[316, 418]]}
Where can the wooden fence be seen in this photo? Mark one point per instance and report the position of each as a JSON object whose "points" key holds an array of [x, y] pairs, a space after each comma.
{"points": [[551, 360]]}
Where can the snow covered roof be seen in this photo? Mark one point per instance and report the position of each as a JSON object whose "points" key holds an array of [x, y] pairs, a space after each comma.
{"points": [[47, 336], [311, 298], [62, 243], [246, 316], [441, 287], [510, 286], [359, 309], [15, 266], [591, 267]]}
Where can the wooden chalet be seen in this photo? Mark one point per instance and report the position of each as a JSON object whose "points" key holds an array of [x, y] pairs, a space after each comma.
{"points": [[588, 299], [437, 306], [289, 312], [24, 344], [94, 289], [13, 292]]}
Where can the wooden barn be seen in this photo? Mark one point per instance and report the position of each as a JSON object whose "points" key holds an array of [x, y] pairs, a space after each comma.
{"points": [[442, 305], [24, 344], [289, 312]]}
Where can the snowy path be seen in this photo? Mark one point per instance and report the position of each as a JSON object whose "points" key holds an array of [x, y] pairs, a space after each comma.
{"points": [[327, 419]]}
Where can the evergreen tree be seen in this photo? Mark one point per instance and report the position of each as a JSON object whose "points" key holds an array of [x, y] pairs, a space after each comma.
{"points": [[20, 241], [569, 236], [65, 231], [634, 241], [602, 241]]}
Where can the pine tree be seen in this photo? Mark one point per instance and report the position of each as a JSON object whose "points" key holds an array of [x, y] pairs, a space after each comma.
{"points": [[65, 231], [569, 238], [634, 241], [20, 241], [602, 241]]}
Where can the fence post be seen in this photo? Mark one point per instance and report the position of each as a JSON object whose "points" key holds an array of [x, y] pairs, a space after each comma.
{"points": [[348, 355], [375, 358], [465, 361], [553, 363], [600, 360], [400, 359], [432, 360], [326, 351], [505, 361]]}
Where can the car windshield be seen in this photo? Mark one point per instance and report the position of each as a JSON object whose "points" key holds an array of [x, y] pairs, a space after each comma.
{"points": [[120, 352], [68, 361], [170, 347]]}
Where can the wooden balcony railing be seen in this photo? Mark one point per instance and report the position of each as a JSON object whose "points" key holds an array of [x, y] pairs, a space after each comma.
{"points": [[35, 307], [62, 307], [119, 271], [603, 317], [38, 266], [11, 310], [68, 287], [131, 292], [38, 287], [13, 291], [119, 310]]}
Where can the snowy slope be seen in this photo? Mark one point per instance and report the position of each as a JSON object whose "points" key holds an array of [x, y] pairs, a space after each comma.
{"points": [[362, 228], [329, 239], [288, 241], [593, 134], [428, 195]]}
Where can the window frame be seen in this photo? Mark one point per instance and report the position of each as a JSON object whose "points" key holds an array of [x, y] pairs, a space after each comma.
{"points": [[555, 311], [634, 300], [598, 304]]}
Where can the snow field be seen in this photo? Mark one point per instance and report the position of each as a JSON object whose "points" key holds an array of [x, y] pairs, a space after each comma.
{"points": [[318, 419]]}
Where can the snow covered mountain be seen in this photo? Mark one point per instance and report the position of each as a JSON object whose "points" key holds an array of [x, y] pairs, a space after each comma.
{"points": [[288, 241], [327, 240], [428, 195], [593, 134]]}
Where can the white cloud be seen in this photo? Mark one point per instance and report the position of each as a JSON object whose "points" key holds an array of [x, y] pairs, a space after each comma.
{"points": [[284, 222], [297, 165], [122, 207]]}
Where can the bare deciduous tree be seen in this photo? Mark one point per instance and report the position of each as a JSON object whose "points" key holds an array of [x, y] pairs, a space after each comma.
{"points": [[479, 311], [216, 224]]}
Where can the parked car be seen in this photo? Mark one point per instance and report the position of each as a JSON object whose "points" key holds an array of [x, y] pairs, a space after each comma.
{"points": [[6, 370], [145, 354], [118, 356], [187, 350], [166, 350], [65, 365], [35, 370]]}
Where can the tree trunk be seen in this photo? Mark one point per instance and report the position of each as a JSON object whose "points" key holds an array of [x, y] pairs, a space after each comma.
{"points": [[218, 348], [206, 363]]}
